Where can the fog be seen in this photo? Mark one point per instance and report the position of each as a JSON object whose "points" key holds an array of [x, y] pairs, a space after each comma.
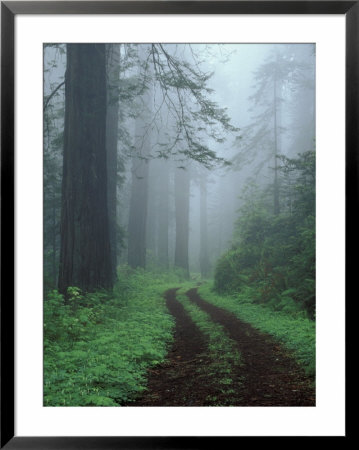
{"points": [[195, 128]]}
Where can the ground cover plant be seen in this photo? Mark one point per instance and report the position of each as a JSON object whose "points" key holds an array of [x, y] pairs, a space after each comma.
{"points": [[98, 346]]}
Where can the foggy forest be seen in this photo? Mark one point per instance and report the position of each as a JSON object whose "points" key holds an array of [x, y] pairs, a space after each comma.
{"points": [[179, 224]]}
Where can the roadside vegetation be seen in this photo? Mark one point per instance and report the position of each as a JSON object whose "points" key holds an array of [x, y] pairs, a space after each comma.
{"points": [[267, 278], [98, 346], [295, 332], [272, 258]]}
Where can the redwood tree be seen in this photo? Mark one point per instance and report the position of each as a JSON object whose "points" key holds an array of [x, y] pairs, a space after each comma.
{"points": [[203, 258], [140, 169], [112, 119], [138, 212], [85, 258], [182, 192], [163, 215]]}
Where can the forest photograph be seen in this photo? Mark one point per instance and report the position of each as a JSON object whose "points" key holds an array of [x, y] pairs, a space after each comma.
{"points": [[179, 224]]}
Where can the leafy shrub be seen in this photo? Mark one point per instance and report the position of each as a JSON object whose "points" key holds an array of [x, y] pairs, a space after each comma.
{"points": [[227, 276], [274, 254]]}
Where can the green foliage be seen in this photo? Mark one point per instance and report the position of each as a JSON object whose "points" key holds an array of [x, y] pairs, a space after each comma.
{"points": [[297, 334], [273, 256], [228, 277], [172, 275], [184, 89], [98, 346]]}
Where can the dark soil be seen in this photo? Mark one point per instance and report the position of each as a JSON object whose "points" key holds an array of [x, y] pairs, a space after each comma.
{"points": [[269, 376], [177, 382]]}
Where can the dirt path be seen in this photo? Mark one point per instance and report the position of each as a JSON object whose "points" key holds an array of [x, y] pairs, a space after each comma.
{"points": [[271, 377], [177, 381]]}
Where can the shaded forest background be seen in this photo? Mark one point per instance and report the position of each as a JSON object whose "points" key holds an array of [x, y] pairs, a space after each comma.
{"points": [[194, 158]]}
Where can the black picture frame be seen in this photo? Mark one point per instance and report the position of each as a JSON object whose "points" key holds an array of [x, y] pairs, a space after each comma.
{"points": [[9, 9]]}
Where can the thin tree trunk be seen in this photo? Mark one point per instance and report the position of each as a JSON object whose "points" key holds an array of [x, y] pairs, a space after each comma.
{"points": [[139, 188], [85, 258], [276, 181], [54, 265], [182, 190], [163, 216], [204, 262], [138, 214], [152, 213]]}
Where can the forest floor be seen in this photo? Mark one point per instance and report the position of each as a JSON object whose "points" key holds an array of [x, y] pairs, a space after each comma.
{"points": [[267, 375]]}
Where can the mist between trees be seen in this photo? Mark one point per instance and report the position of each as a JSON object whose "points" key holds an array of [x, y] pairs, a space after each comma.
{"points": [[194, 158]]}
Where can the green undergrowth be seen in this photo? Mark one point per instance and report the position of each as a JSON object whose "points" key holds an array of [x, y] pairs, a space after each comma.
{"points": [[297, 334], [222, 352], [272, 253], [97, 347]]}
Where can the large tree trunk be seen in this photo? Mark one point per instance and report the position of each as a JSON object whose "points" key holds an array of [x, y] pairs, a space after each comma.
{"points": [[204, 263], [113, 71], [182, 189], [85, 258]]}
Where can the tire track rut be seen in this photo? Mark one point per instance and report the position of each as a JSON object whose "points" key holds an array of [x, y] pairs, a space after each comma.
{"points": [[177, 381], [271, 376]]}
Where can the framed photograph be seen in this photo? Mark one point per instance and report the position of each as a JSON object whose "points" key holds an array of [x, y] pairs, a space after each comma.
{"points": [[175, 182]]}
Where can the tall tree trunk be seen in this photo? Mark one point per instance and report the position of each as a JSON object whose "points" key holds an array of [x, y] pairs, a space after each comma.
{"points": [[163, 216], [152, 211], [85, 258], [138, 213], [139, 188], [54, 246], [139, 197], [182, 190], [276, 181], [113, 72], [204, 262]]}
